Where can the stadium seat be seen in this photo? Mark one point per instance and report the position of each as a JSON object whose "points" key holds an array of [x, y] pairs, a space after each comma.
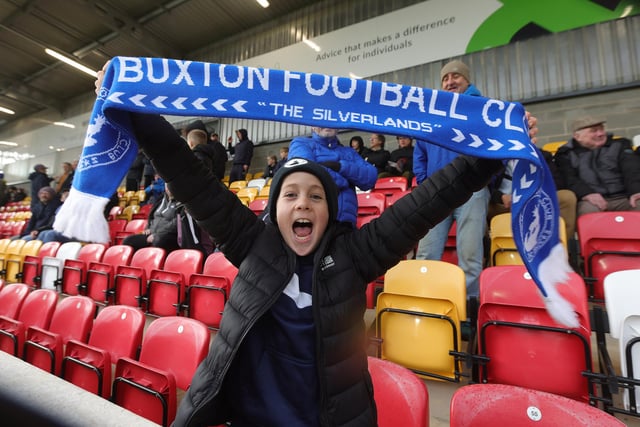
{"points": [[172, 348], [100, 274], [143, 213], [390, 185], [74, 270], [450, 252], [490, 405], [14, 261], [622, 293], [134, 226], [503, 248], [52, 266], [117, 332], [258, 205], [114, 212], [523, 344], [237, 185], [12, 251], [609, 241], [402, 399], [418, 317], [31, 264], [72, 319], [12, 297], [207, 292], [116, 226], [247, 194], [166, 286], [36, 310], [396, 196], [362, 220], [130, 281], [552, 147], [371, 203]]}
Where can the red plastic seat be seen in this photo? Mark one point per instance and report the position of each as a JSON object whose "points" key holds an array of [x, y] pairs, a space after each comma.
{"points": [[258, 205], [609, 242], [172, 349], [135, 226], [30, 273], [72, 319], [362, 220], [36, 310], [525, 346], [394, 197], [490, 405], [371, 203], [166, 286], [390, 185], [116, 226], [12, 297], [450, 253], [143, 213], [130, 281], [402, 399], [207, 293], [117, 332], [74, 270], [99, 278]]}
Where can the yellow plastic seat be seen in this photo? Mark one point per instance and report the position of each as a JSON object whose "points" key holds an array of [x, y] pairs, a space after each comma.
{"points": [[418, 317], [503, 248], [128, 212], [14, 261], [11, 252], [247, 194], [552, 147], [237, 185], [264, 192]]}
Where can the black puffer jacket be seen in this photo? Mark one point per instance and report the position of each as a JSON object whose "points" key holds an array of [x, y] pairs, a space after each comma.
{"points": [[611, 170], [345, 262]]}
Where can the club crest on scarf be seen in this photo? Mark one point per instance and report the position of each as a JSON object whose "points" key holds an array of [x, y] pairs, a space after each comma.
{"points": [[536, 224]]}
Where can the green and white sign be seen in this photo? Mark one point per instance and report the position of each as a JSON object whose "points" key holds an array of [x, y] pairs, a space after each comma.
{"points": [[437, 29]]}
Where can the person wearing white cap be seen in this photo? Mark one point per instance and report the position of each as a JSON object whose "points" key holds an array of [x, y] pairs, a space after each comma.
{"points": [[603, 171]]}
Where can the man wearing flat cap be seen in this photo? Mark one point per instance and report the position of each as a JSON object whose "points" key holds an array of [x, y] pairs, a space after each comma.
{"points": [[602, 171]]}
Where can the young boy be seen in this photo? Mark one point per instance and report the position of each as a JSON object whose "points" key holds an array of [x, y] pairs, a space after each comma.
{"points": [[291, 346]]}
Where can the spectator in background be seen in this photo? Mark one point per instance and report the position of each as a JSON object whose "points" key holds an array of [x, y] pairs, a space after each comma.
{"points": [[148, 172], [357, 144], [345, 166], [603, 172], [155, 191], [162, 226], [51, 235], [39, 179], [43, 213], [401, 160], [242, 157], [63, 182], [219, 156], [270, 169], [284, 155], [376, 154], [4, 193], [198, 140]]}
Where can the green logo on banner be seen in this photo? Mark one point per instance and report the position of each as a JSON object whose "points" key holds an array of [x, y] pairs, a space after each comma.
{"points": [[522, 19]]}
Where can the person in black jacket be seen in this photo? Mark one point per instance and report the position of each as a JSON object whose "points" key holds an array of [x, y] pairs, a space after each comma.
{"points": [[43, 213], [39, 179], [602, 171], [292, 335], [242, 157], [219, 156], [376, 154], [197, 140]]}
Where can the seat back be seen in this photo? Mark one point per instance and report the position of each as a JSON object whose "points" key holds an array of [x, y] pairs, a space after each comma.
{"points": [[401, 397], [423, 302], [72, 319], [630, 359], [390, 185], [207, 292], [371, 203], [12, 297], [525, 346], [15, 261], [117, 332], [30, 273], [609, 241], [247, 194], [258, 205], [172, 349], [396, 196], [100, 274], [36, 310], [115, 226], [11, 252], [74, 271], [166, 286], [52, 266], [503, 250], [489, 405], [130, 281], [134, 226]]}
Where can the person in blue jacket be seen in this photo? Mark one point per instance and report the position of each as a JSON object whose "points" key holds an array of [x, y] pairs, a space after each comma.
{"points": [[347, 168]]}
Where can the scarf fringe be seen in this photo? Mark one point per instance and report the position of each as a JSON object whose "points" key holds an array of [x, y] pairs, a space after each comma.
{"points": [[82, 217], [552, 271]]}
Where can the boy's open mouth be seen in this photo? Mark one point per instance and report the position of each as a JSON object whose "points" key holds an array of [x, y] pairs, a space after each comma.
{"points": [[302, 228]]}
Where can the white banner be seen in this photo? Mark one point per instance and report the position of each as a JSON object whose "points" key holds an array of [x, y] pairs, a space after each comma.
{"points": [[405, 38]]}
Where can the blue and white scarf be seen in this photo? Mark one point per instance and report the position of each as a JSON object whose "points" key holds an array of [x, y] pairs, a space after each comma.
{"points": [[471, 125]]}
